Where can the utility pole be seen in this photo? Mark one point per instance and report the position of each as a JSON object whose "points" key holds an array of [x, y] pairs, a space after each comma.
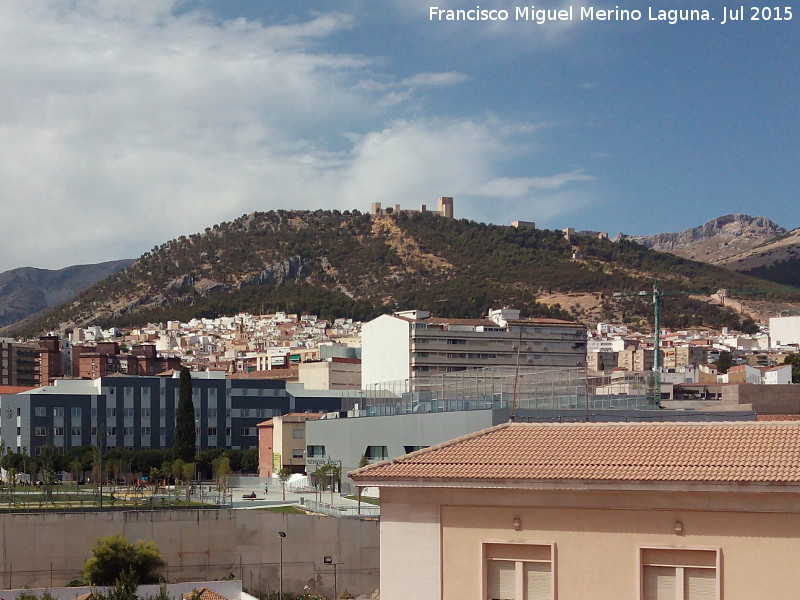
{"points": [[657, 344]]}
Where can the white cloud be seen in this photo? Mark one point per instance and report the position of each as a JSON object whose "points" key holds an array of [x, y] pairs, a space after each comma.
{"points": [[124, 125], [413, 162]]}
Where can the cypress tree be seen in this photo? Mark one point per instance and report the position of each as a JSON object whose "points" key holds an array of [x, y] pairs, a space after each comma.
{"points": [[185, 435]]}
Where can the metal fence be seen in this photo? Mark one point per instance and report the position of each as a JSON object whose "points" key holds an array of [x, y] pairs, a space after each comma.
{"points": [[504, 387], [70, 498], [364, 511]]}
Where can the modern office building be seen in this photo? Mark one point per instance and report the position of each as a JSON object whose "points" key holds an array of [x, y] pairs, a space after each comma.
{"points": [[139, 412]]}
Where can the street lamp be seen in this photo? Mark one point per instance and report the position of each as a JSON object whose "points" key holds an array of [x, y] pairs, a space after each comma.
{"points": [[282, 535], [328, 560]]}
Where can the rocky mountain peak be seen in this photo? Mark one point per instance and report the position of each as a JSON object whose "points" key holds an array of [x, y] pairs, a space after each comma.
{"points": [[715, 239]]}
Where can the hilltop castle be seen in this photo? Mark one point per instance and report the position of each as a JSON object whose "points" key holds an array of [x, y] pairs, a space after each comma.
{"points": [[444, 208]]}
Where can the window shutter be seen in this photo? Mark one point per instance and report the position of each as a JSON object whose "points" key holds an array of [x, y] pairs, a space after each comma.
{"points": [[501, 582], [538, 581], [659, 583], [699, 584]]}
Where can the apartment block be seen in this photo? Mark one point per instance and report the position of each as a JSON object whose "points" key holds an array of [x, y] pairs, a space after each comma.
{"points": [[636, 359], [412, 344], [683, 356], [18, 363]]}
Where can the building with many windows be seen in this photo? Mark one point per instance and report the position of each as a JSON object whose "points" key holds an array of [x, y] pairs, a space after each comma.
{"points": [[647, 511], [411, 344], [18, 363], [139, 412]]}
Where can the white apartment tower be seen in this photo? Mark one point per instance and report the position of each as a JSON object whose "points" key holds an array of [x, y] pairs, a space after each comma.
{"points": [[412, 344]]}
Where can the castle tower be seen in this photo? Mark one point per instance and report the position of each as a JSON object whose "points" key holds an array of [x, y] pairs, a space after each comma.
{"points": [[445, 207]]}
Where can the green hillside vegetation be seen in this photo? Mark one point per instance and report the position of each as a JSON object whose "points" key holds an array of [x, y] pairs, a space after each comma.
{"points": [[786, 272], [349, 264]]}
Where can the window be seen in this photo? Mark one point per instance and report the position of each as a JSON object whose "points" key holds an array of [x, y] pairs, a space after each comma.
{"points": [[145, 431], [298, 434], [212, 413], [111, 431], [315, 451], [145, 412], [127, 431], [75, 431], [40, 411], [413, 448], [58, 431], [111, 412], [518, 571], [76, 412], [246, 431], [39, 431], [212, 431], [377, 452], [128, 412], [58, 411], [297, 453], [670, 574]]}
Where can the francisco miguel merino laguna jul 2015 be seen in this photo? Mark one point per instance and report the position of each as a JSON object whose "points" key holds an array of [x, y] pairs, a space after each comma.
{"points": [[541, 16]]}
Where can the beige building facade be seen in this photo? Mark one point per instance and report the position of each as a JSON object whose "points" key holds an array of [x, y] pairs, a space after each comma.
{"points": [[594, 511], [282, 443], [331, 374]]}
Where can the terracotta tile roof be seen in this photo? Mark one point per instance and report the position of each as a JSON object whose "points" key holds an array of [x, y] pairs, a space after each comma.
{"points": [[687, 452], [204, 594], [15, 389]]}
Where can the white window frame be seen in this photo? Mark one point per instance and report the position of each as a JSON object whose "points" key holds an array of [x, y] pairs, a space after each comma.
{"points": [[549, 547], [679, 567]]}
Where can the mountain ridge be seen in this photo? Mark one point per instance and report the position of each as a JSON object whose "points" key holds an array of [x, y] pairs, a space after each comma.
{"points": [[359, 265], [25, 291]]}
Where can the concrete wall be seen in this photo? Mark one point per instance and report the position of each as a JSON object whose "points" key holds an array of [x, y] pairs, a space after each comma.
{"points": [[784, 330], [45, 550], [767, 399], [385, 343], [228, 589]]}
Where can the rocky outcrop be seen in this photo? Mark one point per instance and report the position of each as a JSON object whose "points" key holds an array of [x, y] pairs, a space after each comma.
{"points": [[292, 268], [716, 240]]}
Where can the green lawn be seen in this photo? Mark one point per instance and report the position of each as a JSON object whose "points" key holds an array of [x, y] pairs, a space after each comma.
{"points": [[366, 500]]}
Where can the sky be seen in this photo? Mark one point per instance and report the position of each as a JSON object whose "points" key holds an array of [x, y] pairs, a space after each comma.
{"points": [[126, 123]]}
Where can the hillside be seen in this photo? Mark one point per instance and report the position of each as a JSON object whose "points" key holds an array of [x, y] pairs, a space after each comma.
{"points": [[351, 264], [27, 290], [751, 245]]}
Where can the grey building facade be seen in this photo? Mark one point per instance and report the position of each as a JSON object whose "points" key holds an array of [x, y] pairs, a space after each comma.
{"points": [[138, 413]]}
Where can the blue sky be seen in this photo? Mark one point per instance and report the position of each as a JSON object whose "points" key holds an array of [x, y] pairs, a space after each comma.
{"points": [[127, 123]]}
